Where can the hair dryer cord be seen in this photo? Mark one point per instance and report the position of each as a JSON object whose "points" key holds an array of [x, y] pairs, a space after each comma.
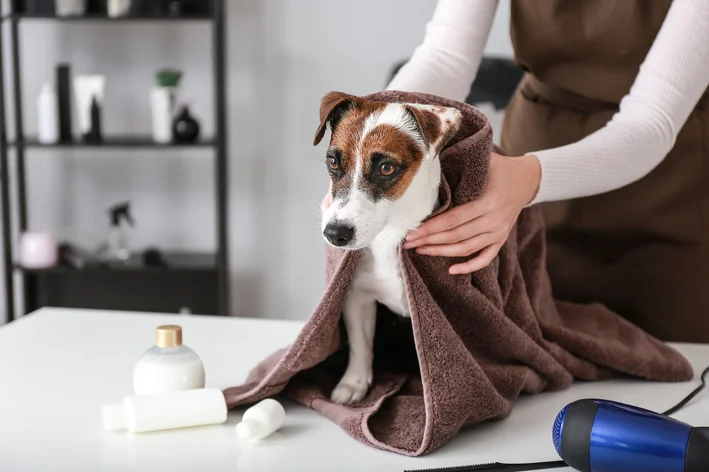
{"points": [[689, 397]]}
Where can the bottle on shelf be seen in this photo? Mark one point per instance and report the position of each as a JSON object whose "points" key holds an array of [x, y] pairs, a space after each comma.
{"points": [[185, 128], [163, 98], [116, 247], [47, 115]]}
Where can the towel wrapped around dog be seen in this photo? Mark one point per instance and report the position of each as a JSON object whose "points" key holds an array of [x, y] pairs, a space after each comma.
{"points": [[474, 343]]}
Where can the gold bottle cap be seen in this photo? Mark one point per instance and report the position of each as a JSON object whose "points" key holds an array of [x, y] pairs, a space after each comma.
{"points": [[168, 336]]}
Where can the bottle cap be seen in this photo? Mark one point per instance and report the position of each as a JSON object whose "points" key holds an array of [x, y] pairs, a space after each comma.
{"points": [[247, 429], [113, 417], [168, 336]]}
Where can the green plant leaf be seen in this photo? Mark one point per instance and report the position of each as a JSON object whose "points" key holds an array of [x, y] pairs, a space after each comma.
{"points": [[168, 77]]}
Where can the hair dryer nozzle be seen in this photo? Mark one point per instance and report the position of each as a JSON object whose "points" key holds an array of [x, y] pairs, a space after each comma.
{"points": [[557, 429]]}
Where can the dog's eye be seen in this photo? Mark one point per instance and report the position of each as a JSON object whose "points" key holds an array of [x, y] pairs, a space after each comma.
{"points": [[387, 170], [332, 162]]}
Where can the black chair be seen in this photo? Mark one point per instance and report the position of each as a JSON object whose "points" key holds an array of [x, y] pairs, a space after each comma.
{"points": [[495, 82]]}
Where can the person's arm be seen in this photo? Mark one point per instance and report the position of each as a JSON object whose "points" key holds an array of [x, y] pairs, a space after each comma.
{"points": [[670, 82], [447, 60]]}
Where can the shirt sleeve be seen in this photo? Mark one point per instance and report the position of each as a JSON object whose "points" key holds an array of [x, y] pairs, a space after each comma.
{"points": [[670, 82], [447, 60]]}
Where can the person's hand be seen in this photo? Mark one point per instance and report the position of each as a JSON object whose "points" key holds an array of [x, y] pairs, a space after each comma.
{"points": [[327, 201], [483, 225]]}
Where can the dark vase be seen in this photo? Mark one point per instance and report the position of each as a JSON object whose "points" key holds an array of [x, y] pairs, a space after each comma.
{"points": [[185, 128]]}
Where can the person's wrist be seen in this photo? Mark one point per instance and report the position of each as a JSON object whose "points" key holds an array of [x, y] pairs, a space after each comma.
{"points": [[531, 173]]}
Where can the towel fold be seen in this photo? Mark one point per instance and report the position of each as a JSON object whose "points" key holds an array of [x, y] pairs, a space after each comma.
{"points": [[474, 343]]}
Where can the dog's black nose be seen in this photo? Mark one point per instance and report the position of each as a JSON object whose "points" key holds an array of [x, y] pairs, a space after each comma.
{"points": [[339, 234]]}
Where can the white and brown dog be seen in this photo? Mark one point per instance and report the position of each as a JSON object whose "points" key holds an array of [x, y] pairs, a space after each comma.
{"points": [[385, 176]]}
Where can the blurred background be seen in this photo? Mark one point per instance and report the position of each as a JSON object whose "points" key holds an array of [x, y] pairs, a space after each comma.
{"points": [[280, 57]]}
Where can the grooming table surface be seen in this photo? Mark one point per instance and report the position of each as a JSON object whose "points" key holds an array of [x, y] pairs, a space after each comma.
{"points": [[58, 366]]}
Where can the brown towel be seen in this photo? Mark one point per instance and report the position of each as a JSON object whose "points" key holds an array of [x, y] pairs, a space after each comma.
{"points": [[473, 344]]}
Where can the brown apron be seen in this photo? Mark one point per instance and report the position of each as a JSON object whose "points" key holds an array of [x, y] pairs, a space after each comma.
{"points": [[642, 250]]}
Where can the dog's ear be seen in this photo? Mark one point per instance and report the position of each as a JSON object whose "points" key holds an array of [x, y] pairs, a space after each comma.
{"points": [[436, 124], [333, 106]]}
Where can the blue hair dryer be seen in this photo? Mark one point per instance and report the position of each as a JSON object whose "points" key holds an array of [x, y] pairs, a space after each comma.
{"points": [[604, 436]]}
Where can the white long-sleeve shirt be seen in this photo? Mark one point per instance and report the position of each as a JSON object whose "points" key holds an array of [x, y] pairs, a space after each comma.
{"points": [[670, 81]]}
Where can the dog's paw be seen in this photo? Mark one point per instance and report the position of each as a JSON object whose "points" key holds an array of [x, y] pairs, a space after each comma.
{"points": [[351, 389], [345, 394]]}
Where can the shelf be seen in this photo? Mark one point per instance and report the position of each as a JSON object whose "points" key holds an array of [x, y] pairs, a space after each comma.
{"points": [[176, 262], [190, 285], [199, 282], [104, 17], [117, 142]]}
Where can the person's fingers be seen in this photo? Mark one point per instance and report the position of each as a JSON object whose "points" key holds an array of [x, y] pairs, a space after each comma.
{"points": [[467, 230], [461, 249], [326, 202], [480, 261], [447, 220]]}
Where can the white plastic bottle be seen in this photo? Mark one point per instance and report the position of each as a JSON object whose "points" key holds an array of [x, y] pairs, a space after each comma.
{"points": [[261, 420], [140, 413], [47, 115], [168, 366], [162, 114]]}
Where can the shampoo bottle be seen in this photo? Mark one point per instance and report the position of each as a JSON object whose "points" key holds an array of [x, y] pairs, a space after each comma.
{"points": [[140, 413], [168, 366], [261, 420], [47, 115]]}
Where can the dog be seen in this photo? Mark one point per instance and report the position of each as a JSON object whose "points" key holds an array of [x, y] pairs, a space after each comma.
{"points": [[385, 171]]}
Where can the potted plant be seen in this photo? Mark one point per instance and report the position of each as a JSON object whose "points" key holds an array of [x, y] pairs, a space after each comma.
{"points": [[163, 100]]}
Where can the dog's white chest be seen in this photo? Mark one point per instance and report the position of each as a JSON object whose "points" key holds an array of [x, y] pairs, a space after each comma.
{"points": [[379, 277]]}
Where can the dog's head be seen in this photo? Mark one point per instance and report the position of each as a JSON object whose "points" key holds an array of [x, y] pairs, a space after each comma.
{"points": [[383, 163]]}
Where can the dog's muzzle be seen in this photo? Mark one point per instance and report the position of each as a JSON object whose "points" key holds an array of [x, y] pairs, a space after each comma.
{"points": [[339, 234]]}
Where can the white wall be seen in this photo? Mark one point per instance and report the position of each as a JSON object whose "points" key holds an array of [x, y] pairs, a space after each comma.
{"points": [[283, 55]]}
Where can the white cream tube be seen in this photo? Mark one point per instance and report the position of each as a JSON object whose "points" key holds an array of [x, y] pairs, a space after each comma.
{"points": [[85, 88], [181, 409]]}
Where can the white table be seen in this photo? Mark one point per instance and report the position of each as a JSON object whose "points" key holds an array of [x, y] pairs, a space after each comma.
{"points": [[58, 366]]}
